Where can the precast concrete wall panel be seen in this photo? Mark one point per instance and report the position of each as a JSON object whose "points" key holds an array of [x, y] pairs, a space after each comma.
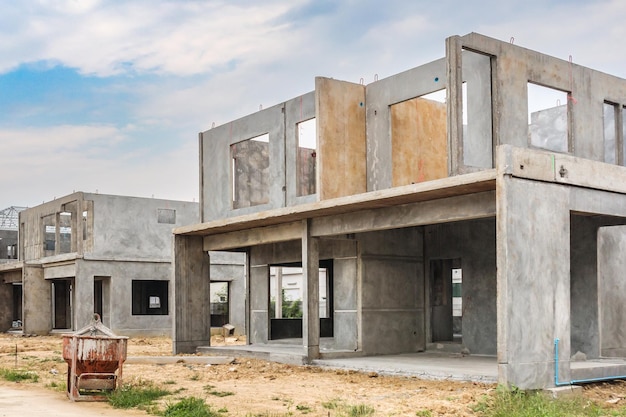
{"points": [[380, 96], [297, 110], [217, 168], [37, 301], [533, 230], [392, 297], [121, 276], [137, 228]]}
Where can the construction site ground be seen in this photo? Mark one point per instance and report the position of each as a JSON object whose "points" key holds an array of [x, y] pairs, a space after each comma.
{"points": [[253, 387]]}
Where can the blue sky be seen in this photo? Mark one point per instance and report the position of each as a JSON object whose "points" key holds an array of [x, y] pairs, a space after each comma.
{"points": [[109, 96]]}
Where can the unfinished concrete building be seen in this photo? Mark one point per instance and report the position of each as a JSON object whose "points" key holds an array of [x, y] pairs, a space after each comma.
{"points": [[86, 253], [10, 283], [476, 202]]}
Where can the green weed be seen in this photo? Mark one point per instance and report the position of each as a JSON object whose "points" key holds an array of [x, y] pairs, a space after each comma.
{"points": [[18, 376], [517, 403], [189, 407], [129, 396]]}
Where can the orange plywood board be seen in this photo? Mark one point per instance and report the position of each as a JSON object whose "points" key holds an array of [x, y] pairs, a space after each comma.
{"points": [[341, 133], [418, 141]]}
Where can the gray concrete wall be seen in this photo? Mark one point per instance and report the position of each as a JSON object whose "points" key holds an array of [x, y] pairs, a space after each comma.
{"points": [[392, 292], [192, 315], [119, 277], [517, 66], [474, 243], [129, 227], [533, 228], [37, 312]]}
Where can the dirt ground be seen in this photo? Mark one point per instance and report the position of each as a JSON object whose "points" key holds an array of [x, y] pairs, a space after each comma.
{"points": [[250, 387]]}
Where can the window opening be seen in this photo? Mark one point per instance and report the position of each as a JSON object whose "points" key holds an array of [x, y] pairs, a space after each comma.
{"points": [[250, 171], [286, 295], [65, 232], [219, 304], [610, 132], [477, 110], [150, 297], [166, 216], [49, 232], [306, 157], [85, 225], [547, 118]]}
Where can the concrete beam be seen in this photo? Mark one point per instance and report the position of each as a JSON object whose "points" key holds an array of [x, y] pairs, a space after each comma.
{"points": [[252, 237], [467, 207]]}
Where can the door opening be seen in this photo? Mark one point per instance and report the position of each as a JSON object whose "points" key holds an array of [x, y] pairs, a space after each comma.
{"points": [[446, 300], [62, 303]]}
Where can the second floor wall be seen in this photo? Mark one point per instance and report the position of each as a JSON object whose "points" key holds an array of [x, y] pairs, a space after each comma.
{"points": [[103, 226], [441, 119]]}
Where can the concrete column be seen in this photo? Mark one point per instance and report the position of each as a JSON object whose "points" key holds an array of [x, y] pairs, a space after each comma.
{"points": [[533, 276], [310, 302], [192, 316], [83, 297], [37, 308], [259, 303]]}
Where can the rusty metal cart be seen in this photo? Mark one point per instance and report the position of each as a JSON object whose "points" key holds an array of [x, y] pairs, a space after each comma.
{"points": [[94, 355]]}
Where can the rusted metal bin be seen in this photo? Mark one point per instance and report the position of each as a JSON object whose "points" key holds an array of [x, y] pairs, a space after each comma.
{"points": [[94, 355]]}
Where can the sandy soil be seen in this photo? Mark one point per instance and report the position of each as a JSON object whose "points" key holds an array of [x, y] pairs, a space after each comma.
{"points": [[255, 387]]}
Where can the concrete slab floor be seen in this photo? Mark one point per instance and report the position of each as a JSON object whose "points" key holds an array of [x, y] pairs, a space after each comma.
{"points": [[426, 365]]}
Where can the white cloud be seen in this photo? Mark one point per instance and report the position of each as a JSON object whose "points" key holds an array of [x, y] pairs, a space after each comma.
{"points": [[592, 33], [104, 38], [45, 163]]}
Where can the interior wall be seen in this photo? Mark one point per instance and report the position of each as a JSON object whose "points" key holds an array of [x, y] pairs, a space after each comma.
{"points": [[474, 243], [392, 294]]}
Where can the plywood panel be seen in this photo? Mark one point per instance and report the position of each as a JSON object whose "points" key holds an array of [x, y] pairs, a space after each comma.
{"points": [[340, 117], [418, 141]]}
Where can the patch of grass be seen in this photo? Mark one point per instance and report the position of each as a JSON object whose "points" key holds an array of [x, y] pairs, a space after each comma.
{"points": [[189, 407], [517, 403], [195, 377], [346, 410], [210, 390], [268, 414], [129, 396], [359, 410], [304, 409], [18, 376], [170, 382], [423, 413], [62, 386], [332, 404]]}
